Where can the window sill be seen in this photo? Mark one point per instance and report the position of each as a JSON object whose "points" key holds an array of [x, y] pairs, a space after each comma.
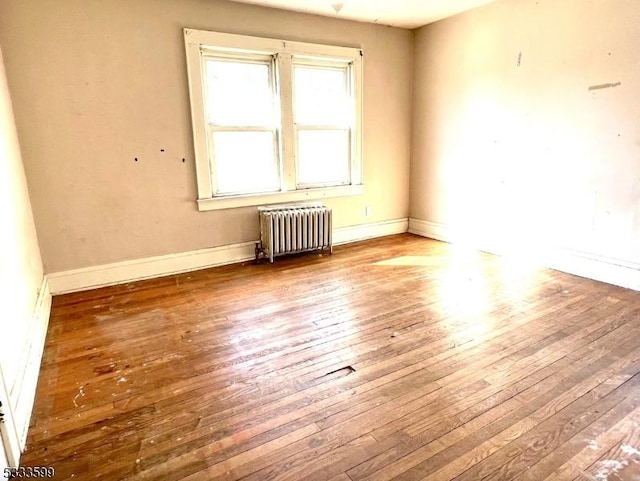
{"points": [[233, 202]]}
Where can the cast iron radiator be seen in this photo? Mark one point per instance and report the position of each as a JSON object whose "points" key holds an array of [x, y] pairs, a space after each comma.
{"points": [[292, 228]]}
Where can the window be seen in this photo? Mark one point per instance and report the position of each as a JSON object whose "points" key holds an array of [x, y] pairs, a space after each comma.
{"points": [[273, 120]]}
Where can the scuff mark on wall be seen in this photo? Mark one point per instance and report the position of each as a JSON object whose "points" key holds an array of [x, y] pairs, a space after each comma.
{"points": [[604, 86]]}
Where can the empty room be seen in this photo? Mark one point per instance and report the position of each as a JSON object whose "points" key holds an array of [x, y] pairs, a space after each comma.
{"points": [[321, 240]]}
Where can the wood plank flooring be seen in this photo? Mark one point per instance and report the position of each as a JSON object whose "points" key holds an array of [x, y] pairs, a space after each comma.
{"points": [[399, 358]]}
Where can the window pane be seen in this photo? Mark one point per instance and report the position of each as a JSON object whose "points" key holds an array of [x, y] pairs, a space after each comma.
{"points": [[239, 93], [321, 96], [323, 157], [245, 162]]}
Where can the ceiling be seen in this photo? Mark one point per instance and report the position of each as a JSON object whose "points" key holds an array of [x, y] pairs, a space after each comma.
{"points": [[398, 13]]}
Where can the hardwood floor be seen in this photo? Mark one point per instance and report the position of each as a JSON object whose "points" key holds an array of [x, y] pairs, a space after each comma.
{"points": [[394, 359]]}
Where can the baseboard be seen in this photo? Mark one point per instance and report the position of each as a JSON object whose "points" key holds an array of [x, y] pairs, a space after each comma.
{"points": [[344, 235], [128, 271], [592, 266], [147, 268], [432, 230], [23, 392], [4, 462]]}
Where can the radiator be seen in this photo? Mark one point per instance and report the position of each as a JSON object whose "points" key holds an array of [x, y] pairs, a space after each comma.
{"points": [[292, 228]]}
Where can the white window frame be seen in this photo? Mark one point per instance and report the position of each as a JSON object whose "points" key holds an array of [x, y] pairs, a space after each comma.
{"points": [[284, 53]]}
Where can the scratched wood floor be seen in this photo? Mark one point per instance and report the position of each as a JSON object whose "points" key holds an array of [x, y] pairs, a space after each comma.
{"points": [[394, 359]]}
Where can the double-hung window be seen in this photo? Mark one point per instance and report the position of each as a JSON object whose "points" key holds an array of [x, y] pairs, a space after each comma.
{"points": [[273, 120]]}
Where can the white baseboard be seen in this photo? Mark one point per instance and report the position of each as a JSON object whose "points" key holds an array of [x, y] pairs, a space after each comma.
{"points": [[147, 268], [4, 462], [138, 269], [9, 439], [592, 266], [354, 233], [432, 230], [23, 392], [621, 273]]}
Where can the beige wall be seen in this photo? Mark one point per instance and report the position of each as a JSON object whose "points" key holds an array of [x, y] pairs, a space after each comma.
{"points": [[523, 154], [97, 83], [20, 265]]}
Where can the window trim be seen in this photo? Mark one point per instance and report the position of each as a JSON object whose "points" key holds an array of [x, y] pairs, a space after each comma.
{"points": [[284, 52]]}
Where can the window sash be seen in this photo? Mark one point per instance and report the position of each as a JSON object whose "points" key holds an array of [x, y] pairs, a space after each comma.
{"points": [[300, 184], [243, 58], [348, 125], [349, 88], [212, 128]]}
